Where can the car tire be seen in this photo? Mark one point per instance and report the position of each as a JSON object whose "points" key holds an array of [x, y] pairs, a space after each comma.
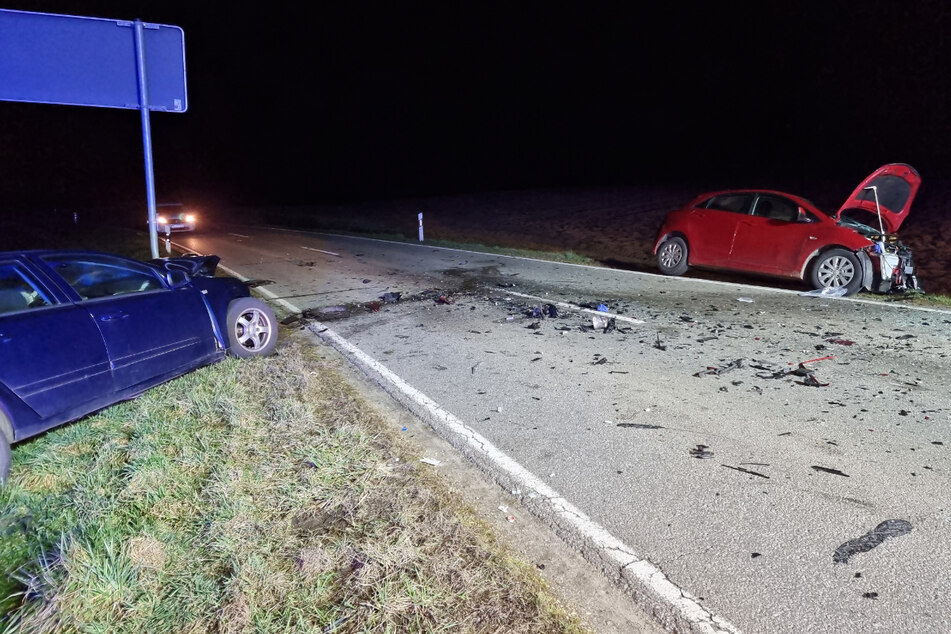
{"points": [[672, 256], [252, 328], [837, 268]]}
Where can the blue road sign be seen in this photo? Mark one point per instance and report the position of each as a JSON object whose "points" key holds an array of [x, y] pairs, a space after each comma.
{"points": [[81, 61]]}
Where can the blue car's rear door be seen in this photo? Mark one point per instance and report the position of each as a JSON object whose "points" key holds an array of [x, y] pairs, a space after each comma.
{"points": [[150, 331], [51, 353]]}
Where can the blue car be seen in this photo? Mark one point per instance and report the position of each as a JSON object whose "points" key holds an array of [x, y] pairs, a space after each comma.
{"points": [[82, 330]]}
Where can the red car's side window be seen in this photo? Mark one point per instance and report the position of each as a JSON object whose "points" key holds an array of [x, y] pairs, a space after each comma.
{"points": [[737, 203]]}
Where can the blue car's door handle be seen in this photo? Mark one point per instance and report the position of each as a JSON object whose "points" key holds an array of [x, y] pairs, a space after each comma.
{"points": [[113, 316], [5, 339]]}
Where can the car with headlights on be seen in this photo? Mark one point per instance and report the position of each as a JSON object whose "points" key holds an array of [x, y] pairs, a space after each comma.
{"points": [[170, 217], [778, 234], [82, 330]]}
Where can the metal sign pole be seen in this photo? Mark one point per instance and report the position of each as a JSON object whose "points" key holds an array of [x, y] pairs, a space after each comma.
{"points": [[146, 135]]}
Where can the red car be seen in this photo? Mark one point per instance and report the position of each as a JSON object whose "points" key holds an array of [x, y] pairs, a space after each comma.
{"points": [[773, 233]]}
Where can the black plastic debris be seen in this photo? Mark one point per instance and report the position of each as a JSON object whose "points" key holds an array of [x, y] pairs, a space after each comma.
{"points": [[716, 371], [869, 595], [287, 321], [551, 310], [600, 361], [702, 452], [905, 337], [535, 325], [871, 539], [828, 470], [639, 426], [842, 342], [749, 471], [391, 298], [611, 326], [755, 555], [659, 344], [812, 381], [257, 283]]}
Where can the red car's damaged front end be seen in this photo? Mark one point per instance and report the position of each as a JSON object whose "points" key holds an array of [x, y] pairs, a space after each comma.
{"points": [[774, 233]]}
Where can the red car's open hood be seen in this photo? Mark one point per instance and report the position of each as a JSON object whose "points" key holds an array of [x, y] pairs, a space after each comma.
{"points": [[897, 185]]}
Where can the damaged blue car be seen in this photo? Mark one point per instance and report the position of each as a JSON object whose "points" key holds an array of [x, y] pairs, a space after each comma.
{"points": [[81, 330]]}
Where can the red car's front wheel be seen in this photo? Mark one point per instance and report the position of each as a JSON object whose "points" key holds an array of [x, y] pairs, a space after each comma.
{"points": [[837, 268]]}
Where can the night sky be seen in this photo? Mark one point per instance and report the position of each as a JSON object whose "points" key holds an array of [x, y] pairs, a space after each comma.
{"points": [[357, 100]]}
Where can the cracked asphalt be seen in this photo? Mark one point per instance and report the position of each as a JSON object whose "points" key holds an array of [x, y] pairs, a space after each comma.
{"points": [[733, 436]]}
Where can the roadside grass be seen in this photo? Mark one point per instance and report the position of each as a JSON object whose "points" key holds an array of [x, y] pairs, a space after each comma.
{"points": [[261, 495], [939, 301]]}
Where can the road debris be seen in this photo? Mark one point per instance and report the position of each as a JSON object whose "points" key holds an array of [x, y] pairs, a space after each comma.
{"points": [[828, 470], [746, 300], [716, 371], [659, 344], [841, 342], [431, 461], [749, 471], [811, 381], [825, 292], [391, 298], [871, 539], [257, 283], [639, 426], [701, 451]]}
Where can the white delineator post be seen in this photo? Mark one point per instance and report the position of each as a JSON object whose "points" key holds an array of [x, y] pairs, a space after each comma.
{"points": [[420, 226]]}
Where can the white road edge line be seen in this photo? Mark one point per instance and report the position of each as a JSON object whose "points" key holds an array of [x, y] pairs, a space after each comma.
{"points": [[240, 235], [321, 251], [644, 582]]}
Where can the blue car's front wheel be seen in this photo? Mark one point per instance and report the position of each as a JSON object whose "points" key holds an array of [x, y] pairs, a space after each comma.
{"points": [[252, 328]]}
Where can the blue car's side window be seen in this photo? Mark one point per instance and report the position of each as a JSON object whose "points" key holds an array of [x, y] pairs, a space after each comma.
{"points": [[18, 292], [92, 278]]}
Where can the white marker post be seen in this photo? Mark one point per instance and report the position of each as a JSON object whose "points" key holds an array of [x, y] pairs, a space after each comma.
{"points": [[420, 226]]}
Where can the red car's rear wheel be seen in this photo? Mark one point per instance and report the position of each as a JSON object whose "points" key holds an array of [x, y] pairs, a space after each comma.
{"points": [[672, 256]]}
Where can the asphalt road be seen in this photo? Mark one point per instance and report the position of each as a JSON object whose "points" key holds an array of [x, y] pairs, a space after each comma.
{"points": [[784, 502]]}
